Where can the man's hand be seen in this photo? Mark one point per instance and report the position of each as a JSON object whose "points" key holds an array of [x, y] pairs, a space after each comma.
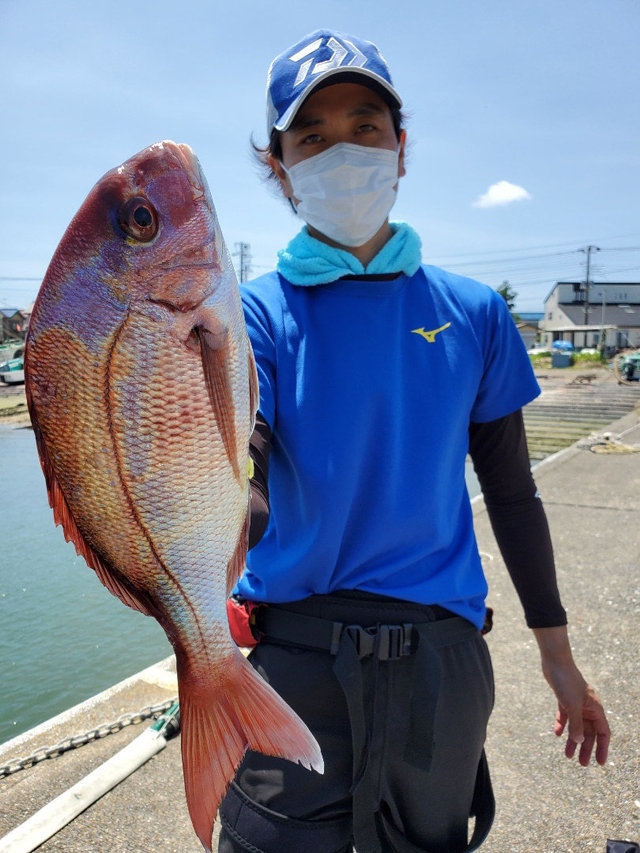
{"points": [[578, 703]]}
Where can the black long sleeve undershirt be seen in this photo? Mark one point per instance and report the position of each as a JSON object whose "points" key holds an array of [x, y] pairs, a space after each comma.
{"points": [[499, 453], [498, 450], [259, 450]]}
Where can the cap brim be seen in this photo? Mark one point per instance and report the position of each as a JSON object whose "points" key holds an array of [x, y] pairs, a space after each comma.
{"points": [[385, 89]]}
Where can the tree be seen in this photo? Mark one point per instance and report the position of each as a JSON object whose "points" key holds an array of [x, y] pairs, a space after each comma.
{"points": [[509, 295]]}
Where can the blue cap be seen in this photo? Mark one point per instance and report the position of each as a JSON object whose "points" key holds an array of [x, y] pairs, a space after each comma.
{"points": [[296, 72]]}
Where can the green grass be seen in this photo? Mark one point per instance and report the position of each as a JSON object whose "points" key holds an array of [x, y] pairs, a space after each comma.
{"points": [[587, 358], [578, 359]]}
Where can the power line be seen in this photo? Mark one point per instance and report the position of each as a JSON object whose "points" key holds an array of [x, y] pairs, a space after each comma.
{"points": [[529, 248], [623, 269], [502, 251], [516, 259]]}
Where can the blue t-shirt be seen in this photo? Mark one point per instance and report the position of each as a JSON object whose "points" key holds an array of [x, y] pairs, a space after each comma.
{"points": [[369, 388]]}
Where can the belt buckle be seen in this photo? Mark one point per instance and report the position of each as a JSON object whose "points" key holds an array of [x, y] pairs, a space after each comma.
{"points": [[386, 642], [394, 641], [364, 639]]}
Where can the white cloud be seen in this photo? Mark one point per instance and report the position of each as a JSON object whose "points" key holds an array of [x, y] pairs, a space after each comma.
{"points": [[501, 193]]}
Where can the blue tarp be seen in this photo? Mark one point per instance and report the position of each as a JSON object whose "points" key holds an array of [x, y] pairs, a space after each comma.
{"points": [[565, 345]]}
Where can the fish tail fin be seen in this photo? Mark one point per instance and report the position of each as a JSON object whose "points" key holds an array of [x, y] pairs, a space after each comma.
{"points": [[219, 720]]}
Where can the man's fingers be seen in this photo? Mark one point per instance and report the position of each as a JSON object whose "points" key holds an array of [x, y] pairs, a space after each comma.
{"points": [[561, 721], [586, 729], [586, 749], [602, 747], [576, 725], [603, 736], [570, 748]]}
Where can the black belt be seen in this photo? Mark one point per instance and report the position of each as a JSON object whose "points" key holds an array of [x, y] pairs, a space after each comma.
{"points": [[386, 642]]}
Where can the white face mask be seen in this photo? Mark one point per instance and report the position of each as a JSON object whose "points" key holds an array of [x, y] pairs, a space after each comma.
{"points": [[347, 191]]}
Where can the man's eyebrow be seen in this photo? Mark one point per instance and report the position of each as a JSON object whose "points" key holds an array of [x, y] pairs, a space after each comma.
{"points": [[366, 109], [302, 122]]}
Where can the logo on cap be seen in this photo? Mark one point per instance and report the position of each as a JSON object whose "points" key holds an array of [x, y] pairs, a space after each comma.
{"points": [[341, 51]]}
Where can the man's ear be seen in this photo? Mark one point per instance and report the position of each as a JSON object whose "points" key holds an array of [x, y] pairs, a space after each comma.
{"points": [[401, 145], [278, 170]]}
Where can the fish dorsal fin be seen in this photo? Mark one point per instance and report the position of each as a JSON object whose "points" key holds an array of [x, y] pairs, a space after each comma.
{"points": [[215, 362], [63, 516]]}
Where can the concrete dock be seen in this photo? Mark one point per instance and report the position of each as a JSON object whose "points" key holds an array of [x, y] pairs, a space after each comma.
{"points": [[546, 803]]}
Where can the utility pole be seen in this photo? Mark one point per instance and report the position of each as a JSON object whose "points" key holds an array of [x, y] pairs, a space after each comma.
{"points": [[603, 334], [243, 251], [588, 251]]}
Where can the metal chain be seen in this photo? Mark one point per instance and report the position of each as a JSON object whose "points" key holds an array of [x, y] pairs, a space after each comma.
{"points": [[104, 729]]}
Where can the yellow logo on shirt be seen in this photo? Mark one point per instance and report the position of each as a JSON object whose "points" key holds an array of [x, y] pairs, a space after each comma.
{"points": [[431, 334]]}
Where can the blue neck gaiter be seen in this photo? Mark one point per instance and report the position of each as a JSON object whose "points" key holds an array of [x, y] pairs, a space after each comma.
{"points": [[307, 261]]}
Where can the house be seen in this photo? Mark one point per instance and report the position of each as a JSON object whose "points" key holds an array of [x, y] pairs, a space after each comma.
{"points": [[528, 332], [606, 313], [528, 324], [14, 324]]}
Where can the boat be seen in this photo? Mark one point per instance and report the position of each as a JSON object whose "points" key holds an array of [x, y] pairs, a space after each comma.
{"points": [[11, 349], [629, 366], [12, 371]]}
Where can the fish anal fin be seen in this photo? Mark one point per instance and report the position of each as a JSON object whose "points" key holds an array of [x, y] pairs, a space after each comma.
{"points": [[216, 372], [219, 720], [115, 586], [63, 516], [238, 560]]}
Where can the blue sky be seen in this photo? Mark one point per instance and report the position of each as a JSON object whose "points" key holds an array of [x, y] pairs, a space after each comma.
{"points": [[540, 96]]}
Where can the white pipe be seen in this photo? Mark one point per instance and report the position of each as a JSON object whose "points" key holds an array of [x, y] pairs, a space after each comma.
{"points": [[61, 811]]}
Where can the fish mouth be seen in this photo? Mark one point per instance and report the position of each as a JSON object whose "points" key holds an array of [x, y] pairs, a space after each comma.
{"points": [[186, 155], [188, 163], [192, 167]]}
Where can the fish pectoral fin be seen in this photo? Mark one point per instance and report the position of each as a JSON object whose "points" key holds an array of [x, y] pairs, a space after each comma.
{"points": [[215, 362], [63, 516], [218, 720]]}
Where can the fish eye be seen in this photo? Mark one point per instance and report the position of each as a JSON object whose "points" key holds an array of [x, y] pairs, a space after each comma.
{"points": [[138, 219], [142, 216]]}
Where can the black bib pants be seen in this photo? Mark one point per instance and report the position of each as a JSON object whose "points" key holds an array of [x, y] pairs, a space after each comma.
{"points": [[398, 696]]}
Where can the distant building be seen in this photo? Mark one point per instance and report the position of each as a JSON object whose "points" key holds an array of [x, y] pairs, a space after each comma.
{"points": [[14, 324], [609, 313], [528, 323], [528, 332], [532, 317]]}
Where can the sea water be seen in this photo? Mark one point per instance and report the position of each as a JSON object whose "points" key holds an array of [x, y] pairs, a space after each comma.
{"points": [[63, 637]]}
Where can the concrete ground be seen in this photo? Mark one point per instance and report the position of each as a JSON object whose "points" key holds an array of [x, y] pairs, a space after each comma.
{"points": [[546, 804]]}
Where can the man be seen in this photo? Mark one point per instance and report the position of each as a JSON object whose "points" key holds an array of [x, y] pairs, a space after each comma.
{"points": [[368, 576]]}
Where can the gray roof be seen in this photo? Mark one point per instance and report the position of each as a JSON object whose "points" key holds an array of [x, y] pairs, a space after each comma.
{"points": [[614, 315], [606, 286]]}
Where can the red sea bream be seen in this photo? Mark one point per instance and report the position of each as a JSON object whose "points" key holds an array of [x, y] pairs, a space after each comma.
{"points": [[142, 392]]}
